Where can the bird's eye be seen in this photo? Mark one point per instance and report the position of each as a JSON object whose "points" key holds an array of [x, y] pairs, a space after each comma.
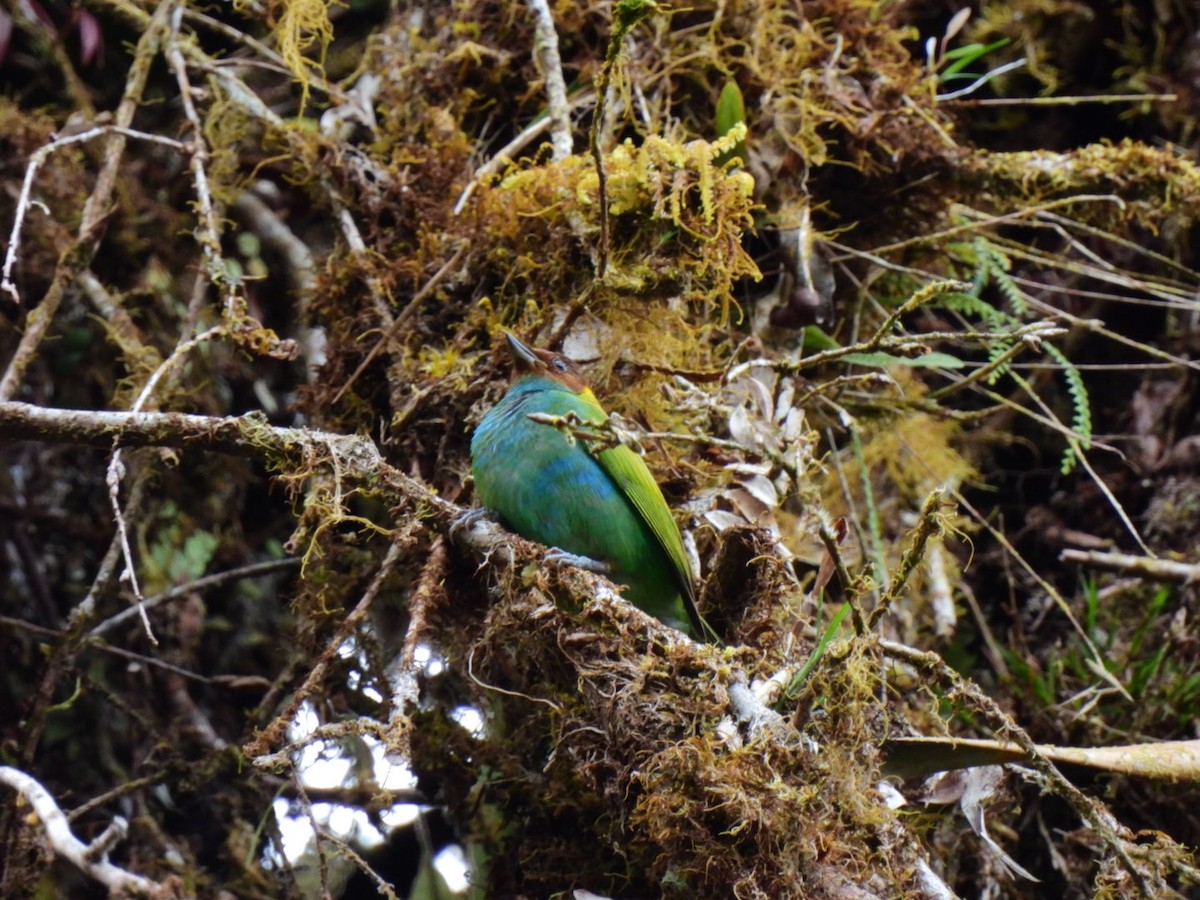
{"points": [[558, 363]]}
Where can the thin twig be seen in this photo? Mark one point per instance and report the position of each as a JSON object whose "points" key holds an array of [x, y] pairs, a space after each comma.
{"points": [[980, 374], [1097, 660], [850, 585], [1067, 100], [35, 19], [43, 631], [208, 582], [208, 231], [36, 160], [116, 472], [313, 78], [418, 298], [902, 344]]}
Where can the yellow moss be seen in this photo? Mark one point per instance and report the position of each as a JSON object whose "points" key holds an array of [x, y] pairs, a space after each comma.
{"points": [[917, 454], [226, 128], [301, 25], [1151, 186], [678, 220], [665, 172], [442, 363]]}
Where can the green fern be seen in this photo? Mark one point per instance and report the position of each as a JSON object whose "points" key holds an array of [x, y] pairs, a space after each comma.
{"points": [[1081, 419], [995, 351], [996, 266], [992, 266]]}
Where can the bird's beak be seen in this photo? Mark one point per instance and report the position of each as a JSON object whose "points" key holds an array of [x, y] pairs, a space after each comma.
{"points": [[524, 357]]}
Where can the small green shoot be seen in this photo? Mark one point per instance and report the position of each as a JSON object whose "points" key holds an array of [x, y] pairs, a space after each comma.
{"points": [[793, 689]]}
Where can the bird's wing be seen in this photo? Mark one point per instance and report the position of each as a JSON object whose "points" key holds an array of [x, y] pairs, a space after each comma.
{"points": [[629, 473]]}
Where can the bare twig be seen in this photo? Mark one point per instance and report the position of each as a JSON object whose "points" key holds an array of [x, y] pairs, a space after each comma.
{"points": [[91, 859], [1141, 566], [382, 886], [1069, 100], [985, 371], [208, 230], [36, 161], [208, 582], [403, 316], [550, 63], [116, 471], [115, 651]]}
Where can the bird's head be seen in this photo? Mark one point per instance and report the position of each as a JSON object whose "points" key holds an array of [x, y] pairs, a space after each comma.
{"points": [[547, 364]]}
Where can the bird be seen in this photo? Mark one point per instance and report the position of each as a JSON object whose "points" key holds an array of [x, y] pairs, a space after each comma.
{"points": [[593, 501]]}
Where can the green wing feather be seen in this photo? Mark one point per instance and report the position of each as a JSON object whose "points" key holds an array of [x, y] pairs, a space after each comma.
{"points": [[630, 474]]}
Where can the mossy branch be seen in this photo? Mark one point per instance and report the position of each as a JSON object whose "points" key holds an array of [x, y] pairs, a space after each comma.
{"points": [[929, 523]]}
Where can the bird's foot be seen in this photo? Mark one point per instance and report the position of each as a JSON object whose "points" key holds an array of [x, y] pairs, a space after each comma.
{"points": [[477, 529], [469, 520], [563, 558]]}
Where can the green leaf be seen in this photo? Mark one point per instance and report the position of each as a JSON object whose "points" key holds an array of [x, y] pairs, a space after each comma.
{"points": [[964, 56], [831, 630], [731, 110], [816, 340], [881, 360]]}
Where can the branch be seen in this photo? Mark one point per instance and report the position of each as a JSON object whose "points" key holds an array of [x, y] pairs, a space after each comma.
{"points": [[247, 435], [1143, 566], [355, 457], [208, 224], [91, 859]]}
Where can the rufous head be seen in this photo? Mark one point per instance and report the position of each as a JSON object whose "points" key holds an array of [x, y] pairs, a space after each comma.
{"points": [[555, 366]]}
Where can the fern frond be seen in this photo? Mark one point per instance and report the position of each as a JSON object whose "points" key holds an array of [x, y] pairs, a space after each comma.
{"points": [[1081, 419]]}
